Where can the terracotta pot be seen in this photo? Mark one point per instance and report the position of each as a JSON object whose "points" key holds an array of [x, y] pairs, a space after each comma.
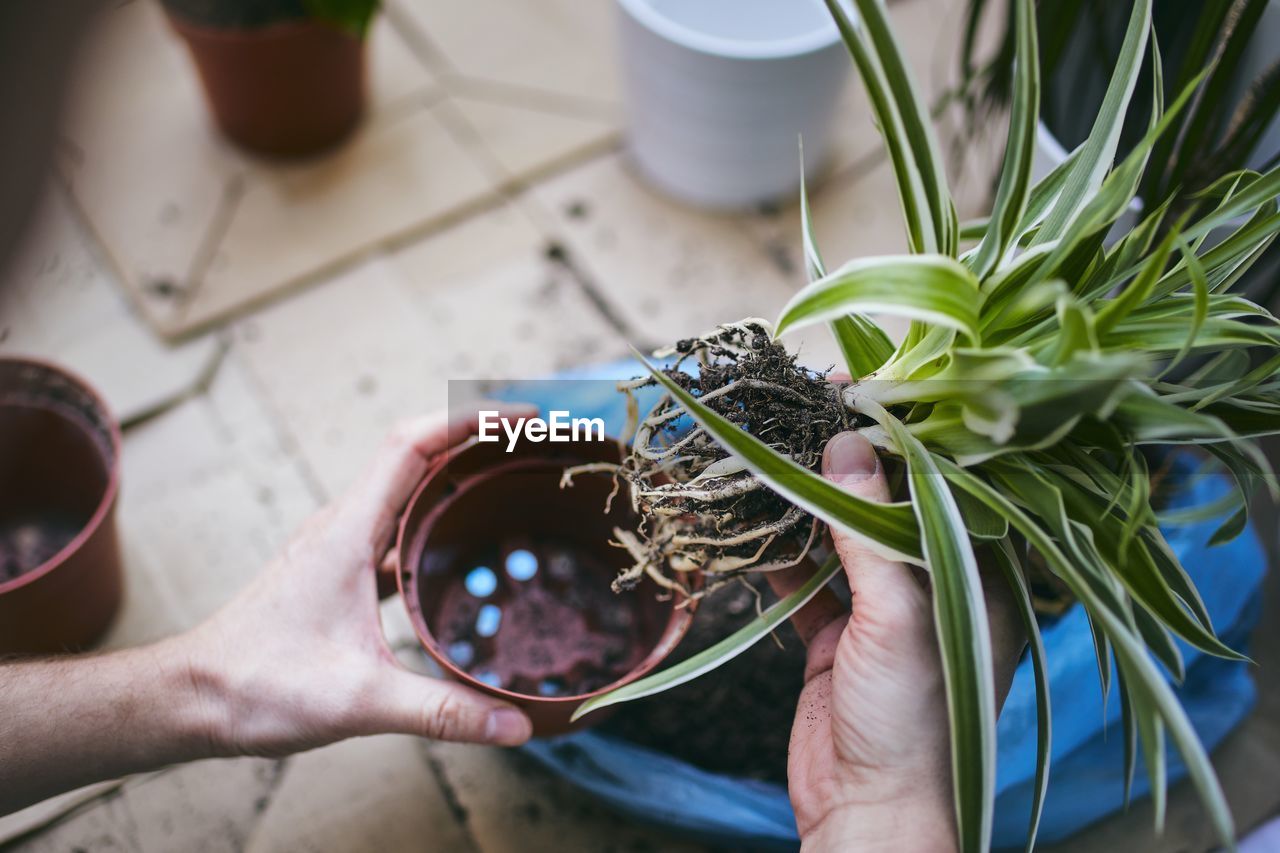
{"points": [[60, 466], [287, 89], [561, 627]]}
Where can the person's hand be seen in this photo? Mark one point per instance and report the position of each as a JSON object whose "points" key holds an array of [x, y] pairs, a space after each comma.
{"points": [[298, 659], [869, 764]]}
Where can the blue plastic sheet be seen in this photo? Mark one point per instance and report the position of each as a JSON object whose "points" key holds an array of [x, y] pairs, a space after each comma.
{"points": [[1088, 765]]}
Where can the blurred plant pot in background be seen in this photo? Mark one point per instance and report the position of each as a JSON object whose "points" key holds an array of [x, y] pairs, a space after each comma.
{"points": [[506, 579], [286, 89], [60, 573], [719, 92]]}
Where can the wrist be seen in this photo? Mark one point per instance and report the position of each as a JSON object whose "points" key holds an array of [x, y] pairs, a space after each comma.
{"points": [[894, 826], [196, 696]]}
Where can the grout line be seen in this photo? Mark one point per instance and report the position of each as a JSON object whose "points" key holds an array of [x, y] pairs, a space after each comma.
{"points": [[233, 190], [286, 440], [450, 794], [197, 387], [434, 59], [529, 97], [420, 45], [102, 250]]}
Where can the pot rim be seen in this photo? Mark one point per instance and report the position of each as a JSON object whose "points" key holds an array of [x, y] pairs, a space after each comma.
{"points": [[722, 47], [674, 631], [276, 30], [105, 504]]}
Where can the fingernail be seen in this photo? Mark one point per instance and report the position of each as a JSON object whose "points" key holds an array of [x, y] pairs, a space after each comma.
{"points": [[507, 727], [849, 458]]}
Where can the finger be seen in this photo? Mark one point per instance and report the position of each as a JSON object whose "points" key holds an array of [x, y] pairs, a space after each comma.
{"points": [[883, 590], [821, 610], [1008, 637], [445, 710], [404, 458]]}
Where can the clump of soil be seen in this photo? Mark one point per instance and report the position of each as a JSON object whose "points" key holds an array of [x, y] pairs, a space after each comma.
{"points": [[735, 719], [701, 511], [536, 620], [28, 541]]}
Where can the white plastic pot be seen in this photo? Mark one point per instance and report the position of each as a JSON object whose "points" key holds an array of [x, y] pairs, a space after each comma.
{"points": [[718, 93]]}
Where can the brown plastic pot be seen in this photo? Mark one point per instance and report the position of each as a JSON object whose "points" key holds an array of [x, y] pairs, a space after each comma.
{"points": [[288, 89], [481, 498], [60, 470]]}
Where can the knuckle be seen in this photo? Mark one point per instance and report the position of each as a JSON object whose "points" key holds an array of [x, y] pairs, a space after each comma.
{"points": [[444, 717]]}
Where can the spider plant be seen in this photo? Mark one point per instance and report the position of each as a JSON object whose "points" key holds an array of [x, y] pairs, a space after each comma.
{"points": [[1216, 129], [1038, 365]]}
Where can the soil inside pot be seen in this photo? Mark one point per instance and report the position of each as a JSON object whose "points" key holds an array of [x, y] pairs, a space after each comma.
{"points": [[533, 617], [53, 475], [735, 719], [28, 541]]}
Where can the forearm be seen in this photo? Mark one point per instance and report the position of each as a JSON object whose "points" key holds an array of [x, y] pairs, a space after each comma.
{"points": [[67, 722]]}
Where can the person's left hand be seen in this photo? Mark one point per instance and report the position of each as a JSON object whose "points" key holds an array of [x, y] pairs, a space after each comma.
{"points": [[298, 659]]}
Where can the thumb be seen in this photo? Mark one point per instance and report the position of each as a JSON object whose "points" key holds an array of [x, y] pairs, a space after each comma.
{"points": [[880, 587], [444, 710]]}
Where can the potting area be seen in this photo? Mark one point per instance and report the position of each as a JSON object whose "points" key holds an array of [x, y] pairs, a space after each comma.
{"points": [[255, 325]]}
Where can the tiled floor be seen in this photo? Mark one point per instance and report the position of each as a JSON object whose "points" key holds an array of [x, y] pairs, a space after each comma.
{"points": [[482, 225]]}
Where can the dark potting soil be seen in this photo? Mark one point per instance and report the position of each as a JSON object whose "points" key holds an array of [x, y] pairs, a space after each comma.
{"points": [[537, 620], [237, 13], [735, 719], [28, 541]]}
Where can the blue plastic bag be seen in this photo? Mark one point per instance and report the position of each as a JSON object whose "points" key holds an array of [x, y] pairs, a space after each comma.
{"points": [[1087, 774]]}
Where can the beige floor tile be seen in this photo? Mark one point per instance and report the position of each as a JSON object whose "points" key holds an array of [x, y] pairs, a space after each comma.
{"points": [[562, 47], [60, 301], [145, 164], [341, 363], [40, 815], [513, 806], [102, 826], [345, 360], [528, 142], [395, 73], [376, 793], [510, 312], [209, 494], [163, 190], [205, 807], [295, 220], [669, 270]]}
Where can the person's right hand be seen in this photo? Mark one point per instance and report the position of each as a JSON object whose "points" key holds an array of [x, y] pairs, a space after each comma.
{"points": [[869, 765]]}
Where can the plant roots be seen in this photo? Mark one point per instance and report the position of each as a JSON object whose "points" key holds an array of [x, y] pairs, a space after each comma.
{"points": [[700, 510]]}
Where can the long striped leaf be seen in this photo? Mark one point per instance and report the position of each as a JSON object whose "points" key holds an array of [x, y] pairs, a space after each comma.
{"points": [[1098, 151], [1152, 694], [722, 652], [1015, 172], [914, 190], [964, 641], [932, 288], [1007, 560], [916, 122]]}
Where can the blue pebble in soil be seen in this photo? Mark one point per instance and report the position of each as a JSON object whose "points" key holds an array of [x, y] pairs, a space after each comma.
{"points": [[462, 653], [522, 565], [488, 677], [550, 687], [488, 620], [481, 582]]}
